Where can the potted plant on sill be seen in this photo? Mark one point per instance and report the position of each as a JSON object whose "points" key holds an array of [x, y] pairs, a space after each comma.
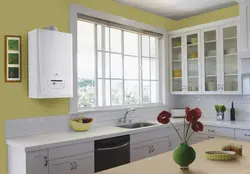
{"points": [[184, 155]]}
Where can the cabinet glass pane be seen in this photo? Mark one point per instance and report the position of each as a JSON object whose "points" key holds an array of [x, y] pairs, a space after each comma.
{"points": [[192, 64], [177, 64], [210, 51], [230, 59]]}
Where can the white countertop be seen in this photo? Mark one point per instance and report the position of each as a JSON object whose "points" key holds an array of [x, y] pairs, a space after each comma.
{"points": [[44, 141]]}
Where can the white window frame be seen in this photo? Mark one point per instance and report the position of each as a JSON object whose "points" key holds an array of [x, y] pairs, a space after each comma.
{"points": [[75, 10]]}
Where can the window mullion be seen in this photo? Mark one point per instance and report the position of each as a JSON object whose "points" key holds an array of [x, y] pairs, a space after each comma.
{"points": [[123, 81], [103, 66], [110, 89], [96, 66], [140, 71], [150, 70]]}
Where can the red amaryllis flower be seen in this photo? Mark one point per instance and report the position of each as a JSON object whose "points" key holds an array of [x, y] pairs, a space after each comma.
{"points": [[164, 117], [193, 115], [197, 126]]}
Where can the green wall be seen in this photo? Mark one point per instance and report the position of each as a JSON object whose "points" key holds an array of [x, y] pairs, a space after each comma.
{"points": [[20, 16]]}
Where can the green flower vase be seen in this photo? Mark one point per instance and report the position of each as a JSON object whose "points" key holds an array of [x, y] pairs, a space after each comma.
{"points": [[184, 155]]}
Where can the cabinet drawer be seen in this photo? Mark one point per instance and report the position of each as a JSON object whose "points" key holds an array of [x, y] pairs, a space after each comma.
{"points": [[242, 134], [74, 164], [69, 150], [149, 135], [224, 132], [202, 137]]}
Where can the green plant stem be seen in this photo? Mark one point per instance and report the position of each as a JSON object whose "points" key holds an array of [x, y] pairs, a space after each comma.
{"points": [[185, 138], [190, 136], [184, 129], [176, 132]]}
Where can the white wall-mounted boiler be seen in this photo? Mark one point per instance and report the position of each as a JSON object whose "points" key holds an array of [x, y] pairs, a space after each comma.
{"points": [[50, 64]]}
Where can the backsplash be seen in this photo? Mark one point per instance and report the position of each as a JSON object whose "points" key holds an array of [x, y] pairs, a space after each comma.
{"points": [[206, 104], [50, 124]]}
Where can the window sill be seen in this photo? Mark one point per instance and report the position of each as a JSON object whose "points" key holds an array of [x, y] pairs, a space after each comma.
{"points": [[114, 109]]}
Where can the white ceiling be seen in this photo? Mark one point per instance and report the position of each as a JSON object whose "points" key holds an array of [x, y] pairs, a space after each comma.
{"points": [[178, 9]]}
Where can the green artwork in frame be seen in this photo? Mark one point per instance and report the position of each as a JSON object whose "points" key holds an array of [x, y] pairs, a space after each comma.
{"points": [[13, 58], [13, 73], [13, 44]]}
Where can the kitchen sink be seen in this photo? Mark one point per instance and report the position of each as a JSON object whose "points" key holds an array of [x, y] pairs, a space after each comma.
{"points": [[135, 125]]}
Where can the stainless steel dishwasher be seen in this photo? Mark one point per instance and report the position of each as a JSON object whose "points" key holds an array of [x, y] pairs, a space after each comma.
{"points": [[112, 152]]}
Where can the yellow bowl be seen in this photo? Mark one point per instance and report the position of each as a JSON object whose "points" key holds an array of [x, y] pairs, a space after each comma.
{"points": [[220, 155], [193, 55], [177, 73], [80, 127]]}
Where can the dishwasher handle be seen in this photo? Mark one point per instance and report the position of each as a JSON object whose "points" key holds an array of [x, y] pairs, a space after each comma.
{"points": [[112, 148]]}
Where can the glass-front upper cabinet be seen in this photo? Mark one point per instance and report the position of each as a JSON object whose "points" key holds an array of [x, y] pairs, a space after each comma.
{"points": [[177, 67], [230, 77], [192, 63], [211, 61]]}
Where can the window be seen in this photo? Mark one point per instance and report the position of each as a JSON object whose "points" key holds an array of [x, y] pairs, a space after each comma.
{"points": [[116, 67]]}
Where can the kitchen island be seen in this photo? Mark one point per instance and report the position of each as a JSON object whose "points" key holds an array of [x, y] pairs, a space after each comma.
{"points": [[164, 164]]}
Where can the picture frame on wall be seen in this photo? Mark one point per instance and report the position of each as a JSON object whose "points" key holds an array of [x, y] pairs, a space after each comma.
{"points": [[12, 58]]}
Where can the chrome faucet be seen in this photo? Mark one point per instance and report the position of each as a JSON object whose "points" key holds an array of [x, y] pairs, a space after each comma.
{"points": [[127, 112]]}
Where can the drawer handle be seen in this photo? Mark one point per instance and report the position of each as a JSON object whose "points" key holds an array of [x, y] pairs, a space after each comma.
{"points": [[46, 161], [247, 135], [209, 130], [210, 137], [113, 148], [72, 166], [75, 165]]}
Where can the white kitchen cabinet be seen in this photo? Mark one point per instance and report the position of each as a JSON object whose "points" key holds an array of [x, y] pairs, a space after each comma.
{"points": [[173, 143], [185, 63], [160, 146], [149, 143], [62, 166], [85, 163], [242, 134], [37, 162], [244, 6], [204, 60], [73, 165], [177, 64], [50, 64], [230, 63], [210, 61], [149, 148], [192, 73], [140, 151], [220, 63]]}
